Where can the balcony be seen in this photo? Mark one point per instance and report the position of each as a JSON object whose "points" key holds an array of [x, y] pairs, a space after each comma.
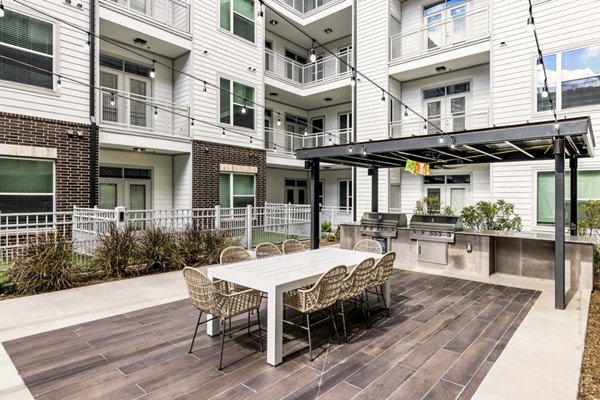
{"points": [[287, 143], [455, 123], [306, 8], [133, 112], [174, 14], [306, 75]]}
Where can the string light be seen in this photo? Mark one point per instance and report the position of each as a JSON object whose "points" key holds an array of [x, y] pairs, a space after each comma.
{"points": [[441, 139], [353, 79], [305, 131], [349, 149], [204, 89], [250, 139], [1, 9], [244, 108], [453, 144], [364, 151], [223, 131], [405, 112], [58, 83], [260, 13], [88, 42], [274, 147], [112, 100], [313, 56], [557, 126], [155, 112], [330, 138], [540, 63], [383, 102], [192, 122], [530, 24], [279, 120], [545, 91], [153, 70]]}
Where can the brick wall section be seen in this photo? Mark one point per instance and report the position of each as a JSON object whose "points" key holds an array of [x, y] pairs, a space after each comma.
{"points": [[73, 154], [207, 157]]}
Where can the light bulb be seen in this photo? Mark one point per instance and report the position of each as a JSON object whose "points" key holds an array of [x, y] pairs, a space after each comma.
{"points": [[557, 126], [155, 112], [58, 83], [352, 80], [112, 101], [274, 147], [382, 98], [223, 131], [540, 64], [313, 56], [244, 109], [250, 139], [530, 25], [545, 93], [349, 149], [441, 139], [405, 112], [278, 121], [1, 10], [305, 131], [192, 122], [152, 72]]}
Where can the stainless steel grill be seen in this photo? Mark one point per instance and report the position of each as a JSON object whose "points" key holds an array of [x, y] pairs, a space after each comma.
{"points": [[435, 228], [381, 224]]}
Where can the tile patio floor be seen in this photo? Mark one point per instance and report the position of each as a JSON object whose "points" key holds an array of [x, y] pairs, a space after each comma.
{"points": [[442, 339]]}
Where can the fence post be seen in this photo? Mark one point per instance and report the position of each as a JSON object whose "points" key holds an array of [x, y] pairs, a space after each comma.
{"points": [[287, 220], [249, 225], [120, 217], [217, 217]]}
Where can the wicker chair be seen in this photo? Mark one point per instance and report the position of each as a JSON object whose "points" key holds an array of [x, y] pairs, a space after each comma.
{"points": [[381, 273], [353, 287], [369, 246], [208, 298], [322, 295], [267, 249], [293, 246], [232, 255]]}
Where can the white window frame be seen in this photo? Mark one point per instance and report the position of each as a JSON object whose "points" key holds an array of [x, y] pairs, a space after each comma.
{"points": [[53, 194], [250, 105], [349, 198], [55, 55], [231, 22], [231, 195]]}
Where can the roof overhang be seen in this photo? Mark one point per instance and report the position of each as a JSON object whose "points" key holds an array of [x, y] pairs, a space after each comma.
{"points": [[523, 142]]}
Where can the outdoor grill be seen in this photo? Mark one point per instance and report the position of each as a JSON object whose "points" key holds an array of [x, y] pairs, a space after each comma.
{"points": [[435, 228], [382, 225]]}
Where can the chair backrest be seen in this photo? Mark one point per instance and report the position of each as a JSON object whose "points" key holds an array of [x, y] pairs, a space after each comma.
{"points": [[203, 293], [329, 287], [369, 246], [292, 246], [383, 269], [234, 254], [267, 249], [358, 280]]}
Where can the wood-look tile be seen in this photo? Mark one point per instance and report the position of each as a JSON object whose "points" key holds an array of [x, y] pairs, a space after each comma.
{"points": [[431, 327], [501, 344], [427, 349], [75, 383], [469, 361], [465, 337], [272, 375], [386, 384], [444, 390], [422, 381], [343, 391], [474, 383], [378, 345], [239, 392], [490, 312], [287, 385]]}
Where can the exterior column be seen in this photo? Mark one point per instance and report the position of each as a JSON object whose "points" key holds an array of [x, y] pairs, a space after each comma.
{"points": [[315, 225], [374, 189], [573, 166], [559, 224]]}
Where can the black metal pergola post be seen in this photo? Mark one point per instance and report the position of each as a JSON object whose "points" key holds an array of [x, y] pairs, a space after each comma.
{"points": [[573, 167], [559, 223], [374, 172], [315, 227]]}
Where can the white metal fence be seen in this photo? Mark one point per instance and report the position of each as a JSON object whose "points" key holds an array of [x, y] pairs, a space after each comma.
{"points": [[324, 69], [86, 226], [285, 142], [458, 121]]}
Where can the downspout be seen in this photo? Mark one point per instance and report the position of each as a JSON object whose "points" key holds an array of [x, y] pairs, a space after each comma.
{"points": [[354, 92], [94, 127]]}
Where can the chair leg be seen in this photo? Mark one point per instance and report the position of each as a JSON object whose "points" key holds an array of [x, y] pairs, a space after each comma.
{"points": [[362, 312], [249, 323], [332, 316], [344, 320], [387, 311], [195, 332], [368, 307], [259, 330], [224, 323], [309, 341], [230, 329]]}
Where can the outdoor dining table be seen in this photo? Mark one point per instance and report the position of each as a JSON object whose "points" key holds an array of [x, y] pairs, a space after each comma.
{"points": [[276, 275]]}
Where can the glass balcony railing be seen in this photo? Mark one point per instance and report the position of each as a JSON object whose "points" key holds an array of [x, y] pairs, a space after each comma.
{"points": [[459, 28], [135, 112], [172, 13], [457, 122], [287, 143], [325, 69]]}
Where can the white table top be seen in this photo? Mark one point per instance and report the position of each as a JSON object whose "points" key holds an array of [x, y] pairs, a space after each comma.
{"points": [[268, 273]]}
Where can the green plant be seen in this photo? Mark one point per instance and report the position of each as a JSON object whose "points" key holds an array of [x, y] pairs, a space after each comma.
{"points": [[191, 244], [159, 250], [419, 207], [590, 223], [326, 226], [116, 251], [6, 284], [447, 210], [485, 215], [45, 265], [337, 233], [330, 237], [213, 243], [433, 204]]}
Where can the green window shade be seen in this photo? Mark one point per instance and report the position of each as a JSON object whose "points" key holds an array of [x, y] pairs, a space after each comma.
{"points": [[224, 106], [243, 185], [588, 185], [225, 17], [27, 33], [245, 8], [108, 195], [243, 27], [225, 191], [343, 194], [243, 201], [26, 176]]}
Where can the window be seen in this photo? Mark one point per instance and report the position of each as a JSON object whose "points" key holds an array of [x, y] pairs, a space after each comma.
{"points": [[345, 195], [27, 40], [236, 190], [588, 188], [321, 193], [573, 79], [124, 66], [242, 97], [238, 19], [26, 186]]}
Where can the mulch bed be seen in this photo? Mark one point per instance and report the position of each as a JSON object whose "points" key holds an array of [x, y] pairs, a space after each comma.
{"points": [[589, 382]]}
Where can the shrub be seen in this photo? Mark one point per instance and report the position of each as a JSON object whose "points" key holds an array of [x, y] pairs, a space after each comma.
{"points": [[433, 204], [330, 237], [191, 244], [447, 210], [419, 207], [326, 226], [590, 223], [337, 233], [46, 265], [499, 216], [116, 251], [213, 243], [159, 250], [6, 283]]}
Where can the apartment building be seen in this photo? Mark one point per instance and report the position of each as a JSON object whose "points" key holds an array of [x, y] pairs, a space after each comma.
{"points": [[204, 103]]}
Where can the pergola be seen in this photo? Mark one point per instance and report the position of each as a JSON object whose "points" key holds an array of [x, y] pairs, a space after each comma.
{"points": [[572, 138]]}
